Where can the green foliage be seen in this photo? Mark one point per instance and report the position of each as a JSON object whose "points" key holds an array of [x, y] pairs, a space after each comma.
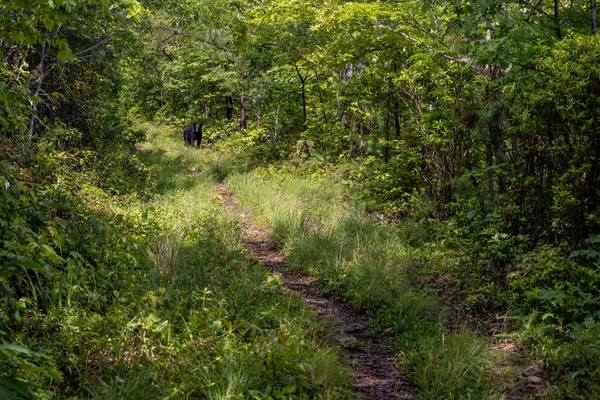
{"points": [[456, 369], [565, 292], [472, 125], [570, 354], [386, 186], [112, 296], [323, 231]]}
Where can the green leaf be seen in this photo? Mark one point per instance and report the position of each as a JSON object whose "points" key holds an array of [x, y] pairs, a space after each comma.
{"points": [[154, 318], [65, 54], [216, 325], [589, 254], [9, 388], [593, 239], [51, 254], [471, 214], [288, 390], [14, 348], [5, 290]]}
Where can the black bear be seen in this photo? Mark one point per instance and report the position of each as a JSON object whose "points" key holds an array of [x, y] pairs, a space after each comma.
{"points": [[193, 134]]}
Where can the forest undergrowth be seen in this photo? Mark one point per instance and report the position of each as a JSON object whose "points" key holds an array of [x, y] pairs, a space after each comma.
{"points": [[434, 164], [325, 232], [322, 228], [137, 286], [146, 295], [460, 332]]}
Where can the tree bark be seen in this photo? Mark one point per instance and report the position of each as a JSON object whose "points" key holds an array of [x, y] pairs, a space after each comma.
{"points": [[593, 6], [40, 69], [257, 106], [556, 21], [386, 150], [490, 171], [303, 83], [397, 118], [243, 113]]}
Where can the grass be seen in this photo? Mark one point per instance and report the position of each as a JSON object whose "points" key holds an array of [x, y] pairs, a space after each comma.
{"points": [[153, 296], [249, 336], [322, 227], [179, 311]]}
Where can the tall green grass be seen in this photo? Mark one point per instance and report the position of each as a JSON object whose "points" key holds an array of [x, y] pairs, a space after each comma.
{"points": [[183, 313], [324, 231]]}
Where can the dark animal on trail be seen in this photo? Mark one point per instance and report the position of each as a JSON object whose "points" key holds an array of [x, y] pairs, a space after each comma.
{"points": [[193, 134]]}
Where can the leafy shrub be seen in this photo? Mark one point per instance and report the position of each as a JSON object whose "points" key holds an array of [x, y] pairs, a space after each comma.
{"points": [[387, 187], [563, 290], [571, 354]]}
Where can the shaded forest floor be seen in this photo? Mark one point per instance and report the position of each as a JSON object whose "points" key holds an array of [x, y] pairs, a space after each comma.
{"points": [[203, 274]]}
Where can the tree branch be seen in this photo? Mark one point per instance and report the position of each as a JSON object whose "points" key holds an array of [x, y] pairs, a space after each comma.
{"points": [[100, 43]]}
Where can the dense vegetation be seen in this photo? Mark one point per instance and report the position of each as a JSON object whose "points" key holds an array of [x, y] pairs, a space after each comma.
{"points": [[413, 153]]}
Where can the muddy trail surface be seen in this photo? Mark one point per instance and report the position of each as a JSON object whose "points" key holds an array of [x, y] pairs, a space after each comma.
{"points": [[374, 374]]}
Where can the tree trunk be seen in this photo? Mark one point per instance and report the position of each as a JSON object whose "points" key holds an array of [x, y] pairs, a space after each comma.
{"points": [[228, 107], [257, 105], [274, 136], [593, 6], [397, 118], [303, 105], [386, 150], [351, 139], [243, 113], [40, 69], [556, 21], [490, 171], [303, 83]]}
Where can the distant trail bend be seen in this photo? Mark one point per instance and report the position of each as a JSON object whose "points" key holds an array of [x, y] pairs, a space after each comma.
{"points": [[374, 374]]}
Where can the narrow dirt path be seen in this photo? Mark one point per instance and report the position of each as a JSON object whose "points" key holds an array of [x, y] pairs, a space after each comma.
{"points": [[374, 374]]}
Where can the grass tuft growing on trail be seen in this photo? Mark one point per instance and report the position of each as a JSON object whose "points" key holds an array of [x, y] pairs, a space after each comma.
{"points": [[324, 231]]}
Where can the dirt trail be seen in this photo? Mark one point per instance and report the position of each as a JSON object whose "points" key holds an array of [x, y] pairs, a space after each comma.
{"points": [[374, 374]]}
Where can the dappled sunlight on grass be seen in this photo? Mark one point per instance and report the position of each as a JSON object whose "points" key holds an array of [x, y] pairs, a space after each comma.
{"points": [[183, 313]]}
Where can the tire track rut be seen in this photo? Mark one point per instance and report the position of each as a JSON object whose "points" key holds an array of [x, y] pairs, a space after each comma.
{"points": [[374, 373]]}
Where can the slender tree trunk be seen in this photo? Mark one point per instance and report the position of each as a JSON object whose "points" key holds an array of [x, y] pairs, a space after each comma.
{"points": [[303, 83], [351, 139], [396, 108], [228, 107], [276, 124], [490, 171], [257, 105], [556, 21], [40, 69], [243, 113], [593, 6], [397, 118], [386, 150], [303, 105], [341, 110]]}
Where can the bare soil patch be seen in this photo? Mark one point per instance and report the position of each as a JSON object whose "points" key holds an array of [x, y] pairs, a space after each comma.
{"points": [[374, 373]]}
